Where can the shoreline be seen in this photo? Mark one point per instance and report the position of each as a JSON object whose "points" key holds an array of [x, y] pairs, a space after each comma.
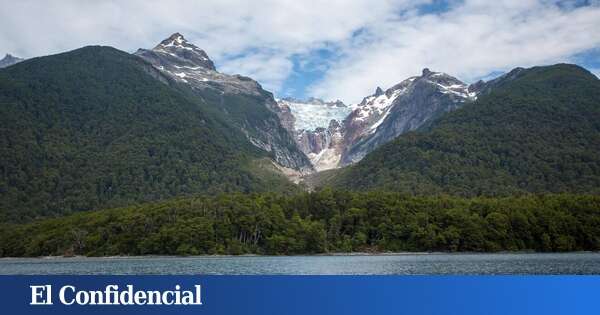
{"points": [[351, 254]]}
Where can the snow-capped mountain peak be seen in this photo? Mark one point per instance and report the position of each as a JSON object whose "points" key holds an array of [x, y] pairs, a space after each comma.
{"points": [[180, 52], [406, 106], [9, 60], [186, 63], [447, 84], [374, 108], [174, 40]]}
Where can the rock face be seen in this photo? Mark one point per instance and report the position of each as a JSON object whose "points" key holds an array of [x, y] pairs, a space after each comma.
{"points": [[379, 118], [533, 131], [324, 146], [311, 134], [481, 88], [404, 107], [189, 64], [241, 99], [288, 120], [317, 127], [9, 60]]}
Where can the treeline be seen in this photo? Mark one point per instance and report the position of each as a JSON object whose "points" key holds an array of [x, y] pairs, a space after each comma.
{"points": [[320, 222]]}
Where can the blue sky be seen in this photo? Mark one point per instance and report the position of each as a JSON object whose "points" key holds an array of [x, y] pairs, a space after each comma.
{"points": [[589, 59], [310, 68], [336, 49], [307, 70]]}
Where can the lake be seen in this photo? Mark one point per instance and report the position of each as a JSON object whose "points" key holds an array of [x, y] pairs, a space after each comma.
{"points": [[400, 264]]}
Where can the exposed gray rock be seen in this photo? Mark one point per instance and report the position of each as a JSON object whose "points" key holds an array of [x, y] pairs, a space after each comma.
{"points": [[404, 107], [9, 60], [241, 99], [324, 146], [481, 88], [383, 116], [379, 118]]}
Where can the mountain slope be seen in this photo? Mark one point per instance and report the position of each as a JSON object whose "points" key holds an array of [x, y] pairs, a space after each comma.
{"points": [[9, 60], [412, 103], [316, 126], [379, 118], [242, 100], [97, 127], [536, 130], [314, 113]]}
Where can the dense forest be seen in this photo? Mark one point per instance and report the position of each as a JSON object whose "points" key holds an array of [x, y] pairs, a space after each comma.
{"points": [[537, 130], [320, 222], [97, 128], [170, 173]]}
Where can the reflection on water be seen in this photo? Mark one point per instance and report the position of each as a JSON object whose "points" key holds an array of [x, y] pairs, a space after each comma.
{"points": [[402, 264]]}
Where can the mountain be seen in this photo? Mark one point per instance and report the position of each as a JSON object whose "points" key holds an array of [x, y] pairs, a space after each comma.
{"points": [[383, 116], [314, 113], [332, 141], [316, 125], [245, 104], [9, 60], [531, 130], [324, 146], [97, 127]]}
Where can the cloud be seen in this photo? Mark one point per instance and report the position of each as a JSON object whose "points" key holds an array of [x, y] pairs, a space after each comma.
{"points": [[470, 40], [271, 67], [369, 43], [249, 37]]}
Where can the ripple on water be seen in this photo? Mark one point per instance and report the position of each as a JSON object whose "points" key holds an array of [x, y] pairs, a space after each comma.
{"points": [[402, 264]]}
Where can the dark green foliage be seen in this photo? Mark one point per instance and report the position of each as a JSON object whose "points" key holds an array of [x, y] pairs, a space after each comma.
{"points": [[325, 221], [96, 128], [537, 132]]}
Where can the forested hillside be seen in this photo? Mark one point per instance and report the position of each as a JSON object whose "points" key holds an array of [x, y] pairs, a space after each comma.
{"points": [[327, 221], [97, 127], [535, 130]]}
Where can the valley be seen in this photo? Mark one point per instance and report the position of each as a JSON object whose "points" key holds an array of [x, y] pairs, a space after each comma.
{"points": [[105, 152]]}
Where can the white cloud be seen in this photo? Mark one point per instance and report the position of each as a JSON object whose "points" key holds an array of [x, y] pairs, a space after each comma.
{"points": [[469, 41], [271, 67], [265, 33], [376, 42]]}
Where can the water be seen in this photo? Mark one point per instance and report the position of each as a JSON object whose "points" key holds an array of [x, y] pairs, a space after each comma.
{"points": [[402, 264]]}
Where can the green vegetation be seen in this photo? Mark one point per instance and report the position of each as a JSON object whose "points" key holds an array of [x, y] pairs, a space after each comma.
{"points": [[96, 128], [326, 221], [538, 131]]}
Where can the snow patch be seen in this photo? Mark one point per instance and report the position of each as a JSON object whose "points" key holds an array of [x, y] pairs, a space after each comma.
{"points": [[312, 116], [376, 106]]}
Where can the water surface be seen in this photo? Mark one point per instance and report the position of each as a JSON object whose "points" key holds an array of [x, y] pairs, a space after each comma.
{"points": [[401, 264]]}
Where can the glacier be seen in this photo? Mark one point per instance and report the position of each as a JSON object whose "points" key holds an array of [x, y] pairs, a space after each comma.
{"points": [[315, 113]]}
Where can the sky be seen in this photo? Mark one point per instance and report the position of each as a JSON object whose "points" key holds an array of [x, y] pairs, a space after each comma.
{"points": [[329, 49]]}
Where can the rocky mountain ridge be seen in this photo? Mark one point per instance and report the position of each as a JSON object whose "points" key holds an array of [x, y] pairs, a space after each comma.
{"points": [[253, 110], [531, 130], [381, 117], [404, 107], [9, 60]]}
